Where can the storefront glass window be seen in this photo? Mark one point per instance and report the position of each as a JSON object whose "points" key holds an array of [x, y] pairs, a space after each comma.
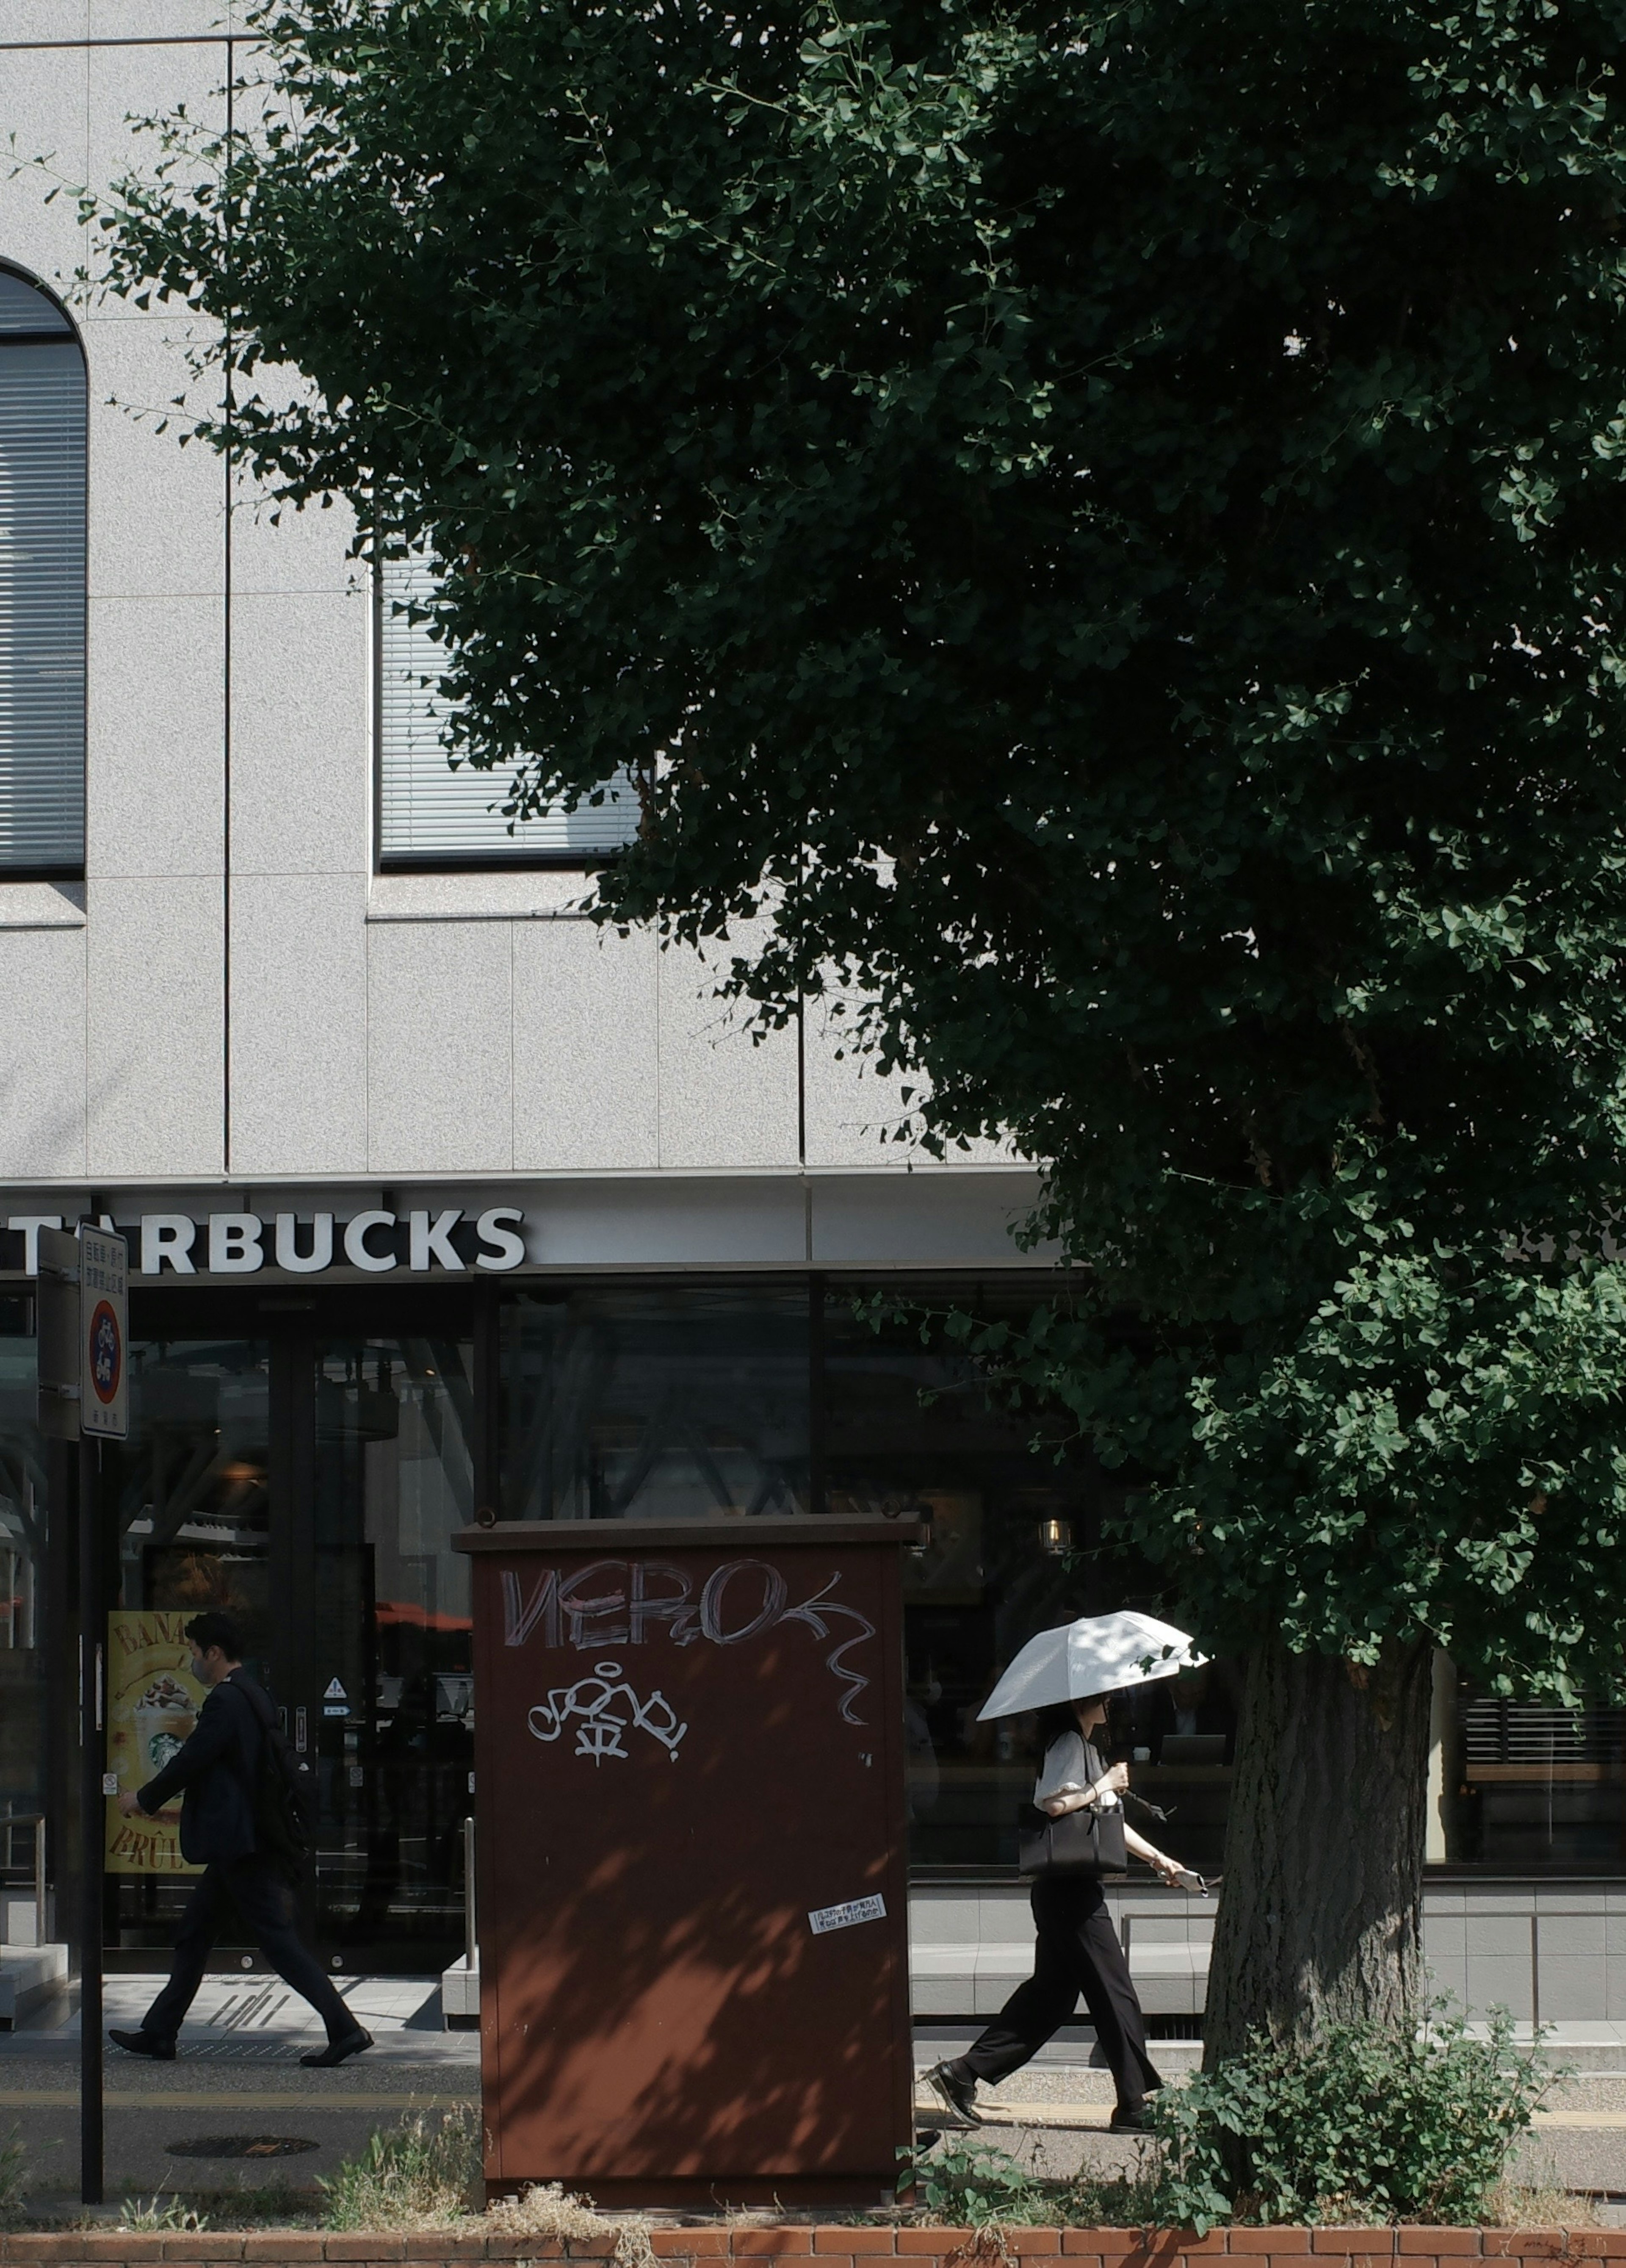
{"points": [[1016, 1545], [391, 1629], [686, 1402], [311, 1490], [310, 1482], [1523, 1785], [22, 1500], [189, 1492], [190, 1483]]}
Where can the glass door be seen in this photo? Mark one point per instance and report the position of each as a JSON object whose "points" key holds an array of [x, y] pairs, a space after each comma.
{"points": [[27, 1727], [381, 1623], [188, 1496], [309, 1485]]}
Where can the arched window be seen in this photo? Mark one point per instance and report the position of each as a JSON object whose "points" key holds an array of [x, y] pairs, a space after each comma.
{"points": [[42, 439]]}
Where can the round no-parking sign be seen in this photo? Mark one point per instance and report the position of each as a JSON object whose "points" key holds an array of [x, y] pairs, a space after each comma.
{"points": [[104, 1273], [106, 1354]]}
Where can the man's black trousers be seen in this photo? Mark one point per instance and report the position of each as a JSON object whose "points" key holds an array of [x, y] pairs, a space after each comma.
{"points": [[264, 1897], [1077, 1952]]}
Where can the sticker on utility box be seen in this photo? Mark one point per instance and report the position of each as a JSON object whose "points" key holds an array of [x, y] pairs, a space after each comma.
{"points": [[847, 1917]]}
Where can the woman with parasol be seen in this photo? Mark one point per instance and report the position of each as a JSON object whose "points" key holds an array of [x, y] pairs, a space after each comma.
{"points": [[1074, 1835]]}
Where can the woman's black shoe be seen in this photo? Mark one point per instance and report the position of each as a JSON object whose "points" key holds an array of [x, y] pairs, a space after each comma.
{"points": [[1136, 2119], [147, 2043], [956, 2088]]}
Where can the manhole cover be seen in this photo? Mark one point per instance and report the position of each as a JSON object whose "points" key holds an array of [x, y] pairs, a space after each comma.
{"points": [[240, 2145]]}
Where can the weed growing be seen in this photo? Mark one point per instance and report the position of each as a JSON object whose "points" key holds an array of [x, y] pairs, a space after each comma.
{"points": [[418, 2173], [977, 2185], [961, 2184], [1360, 2125], [263, 2205], [422, 2173], [1545, 2206], [162, 2211], [548, 2210], [1112, 2200]]}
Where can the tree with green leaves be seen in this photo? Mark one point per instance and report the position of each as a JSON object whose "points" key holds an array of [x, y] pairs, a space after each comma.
{"points": [[1105, 530]]}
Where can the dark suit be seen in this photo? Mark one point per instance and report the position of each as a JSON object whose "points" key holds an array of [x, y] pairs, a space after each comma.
{"points": [[216, 1768], [216, 1772]]}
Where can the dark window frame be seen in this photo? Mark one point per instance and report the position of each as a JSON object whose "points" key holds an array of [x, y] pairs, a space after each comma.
{"points": [[60, 871]]}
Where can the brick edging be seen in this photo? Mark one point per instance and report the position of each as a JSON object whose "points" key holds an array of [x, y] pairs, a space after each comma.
{"points": [[847, 2247]]}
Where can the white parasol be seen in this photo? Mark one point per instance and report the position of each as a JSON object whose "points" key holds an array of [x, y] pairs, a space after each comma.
{"points": [[1099, 1654]]}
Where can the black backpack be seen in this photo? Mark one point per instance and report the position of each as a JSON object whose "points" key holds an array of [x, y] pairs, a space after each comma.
{"points": [[280, 1790]]}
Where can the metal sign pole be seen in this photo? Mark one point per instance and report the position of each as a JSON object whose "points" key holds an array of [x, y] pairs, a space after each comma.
{"points": [[92, 1813], [104, 1407], [82, 1337]]}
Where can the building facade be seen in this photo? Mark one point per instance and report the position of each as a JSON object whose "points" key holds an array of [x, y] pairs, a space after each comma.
{"points": [[439, 1197]]}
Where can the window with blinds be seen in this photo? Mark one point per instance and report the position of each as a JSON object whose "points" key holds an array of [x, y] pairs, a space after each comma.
{"points": [[431, 815], [42, 442]]}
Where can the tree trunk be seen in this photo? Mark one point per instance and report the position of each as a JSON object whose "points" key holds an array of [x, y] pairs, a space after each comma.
{"points": [[1320, 1916]]}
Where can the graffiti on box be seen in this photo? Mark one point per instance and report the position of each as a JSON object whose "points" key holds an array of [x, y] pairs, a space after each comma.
{"points": [[625, 1603], [590, 1704]]}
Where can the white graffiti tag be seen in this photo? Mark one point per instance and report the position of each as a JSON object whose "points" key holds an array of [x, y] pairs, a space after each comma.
{"points": [[626, 1601], [590, 1704], [814, 1612]]}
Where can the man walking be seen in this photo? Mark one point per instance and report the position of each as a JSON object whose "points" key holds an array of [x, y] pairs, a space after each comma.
{"points": [[218, 1768]]}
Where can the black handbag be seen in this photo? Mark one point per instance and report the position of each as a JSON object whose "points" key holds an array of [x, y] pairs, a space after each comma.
{"points": [[1086, 1844]]}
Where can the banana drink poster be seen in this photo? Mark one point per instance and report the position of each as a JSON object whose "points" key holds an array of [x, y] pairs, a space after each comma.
{"points": [[152, 1705]]}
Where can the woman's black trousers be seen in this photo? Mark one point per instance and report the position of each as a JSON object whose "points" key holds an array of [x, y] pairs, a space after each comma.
{"points": [[1077, 1952]]}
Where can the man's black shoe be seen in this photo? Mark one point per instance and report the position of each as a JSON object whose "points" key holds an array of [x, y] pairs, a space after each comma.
{"points": [[147, 2043], [1137, 2120], [957, 2089], [339, 2050]]}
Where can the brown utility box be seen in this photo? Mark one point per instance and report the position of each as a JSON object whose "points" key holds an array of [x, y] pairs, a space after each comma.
{"points": [[693, 1914]]}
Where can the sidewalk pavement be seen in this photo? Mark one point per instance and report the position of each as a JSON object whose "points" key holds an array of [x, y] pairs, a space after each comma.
{"points": [[238, 2082], [257, 2018]]}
